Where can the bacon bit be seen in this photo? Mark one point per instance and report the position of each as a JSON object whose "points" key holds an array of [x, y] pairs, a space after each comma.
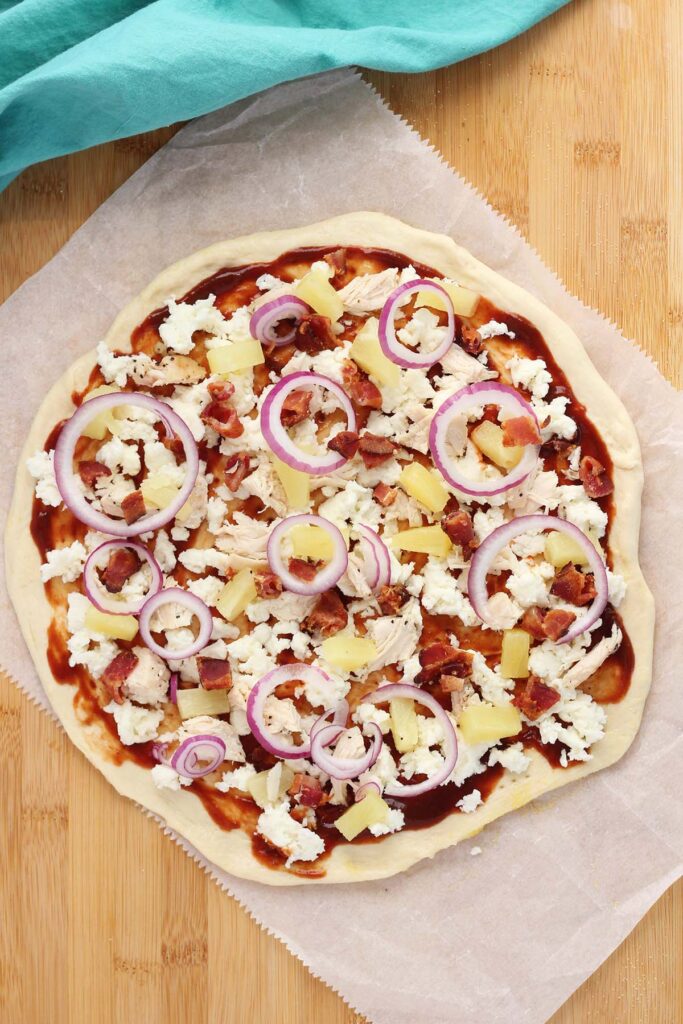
{"points": [[459, 527], [116, 673], [385, 495], [556, 622], [221, 417], [337, 261], [375, 449], [391, 598], [561, 450], [89, 471], [133, 507], [360, 387], [535, 698], [532, 622], [221, 390], [302, 569], [329, 615], [451, 684], [278, 356], [468, 338], [123, 562], [574, 586], [440, 659], [174, 445], [345, 442], [236, 468], [307, 790], [267, 584], [296, 408], [594, 477], [520, 430], [214, 674], [314, 333]]}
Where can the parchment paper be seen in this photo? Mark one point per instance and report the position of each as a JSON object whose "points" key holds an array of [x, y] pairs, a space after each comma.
{"points": [[508, 935]]}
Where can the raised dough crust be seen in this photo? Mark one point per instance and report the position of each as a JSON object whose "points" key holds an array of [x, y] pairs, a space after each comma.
{"points": [[181, 810]]}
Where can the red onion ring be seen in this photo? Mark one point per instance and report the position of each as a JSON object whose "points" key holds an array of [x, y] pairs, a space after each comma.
{"points": [[173, 687], [377, 562], [159, 752], [276, 435], [203, 747], [265, 319], [472, 396], [343, 768], [399, 789], [485, 554], [340, 713], [194, 604], [94, 590], [389, 343], [367, 787], [256, 701], [66, 480], [327, 576]]}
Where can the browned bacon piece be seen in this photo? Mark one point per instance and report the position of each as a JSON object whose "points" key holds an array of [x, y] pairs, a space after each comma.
{"points": [[594, 477], [221, 417], [307, 790], [385, 495], [468, 338], [360, 387], [556, 622], [391, 598], [345, 442], [337, 261], [375, 449], [532, 622], [329, 614], [236, 468], [451, 684], [90, 470], [116, 673], [573, 586], [123, 562], [296, 408], [314, 333], [520, 431], [302, 569], [535, 698], [439, 659], [267, 584], [459, 527], [214, 674], [133, 507], [221, 390]]}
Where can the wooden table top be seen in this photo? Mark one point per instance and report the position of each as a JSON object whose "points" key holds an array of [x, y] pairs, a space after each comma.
{"points": [[574, 132]]}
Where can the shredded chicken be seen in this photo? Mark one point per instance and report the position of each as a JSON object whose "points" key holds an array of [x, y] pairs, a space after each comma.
{"points": [[592, 661], [395, 637]]}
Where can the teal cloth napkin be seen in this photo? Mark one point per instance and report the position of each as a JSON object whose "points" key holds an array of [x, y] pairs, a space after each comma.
{"points": [[74, 73]]}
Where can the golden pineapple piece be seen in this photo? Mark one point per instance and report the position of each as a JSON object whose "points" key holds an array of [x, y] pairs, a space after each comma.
{"points": [[268, 788], [367, 353], [297, 485], [424, 485], [195, 702], [311, 542], [464, 300], [403, 723], [483, 723], [430, 540], [560, 549], [315, 289], [159, 489], [371, 810], [99, 425], [237, 593], [488, 438], [348, 652], [240, 355], [116, 627], [514, 659]]}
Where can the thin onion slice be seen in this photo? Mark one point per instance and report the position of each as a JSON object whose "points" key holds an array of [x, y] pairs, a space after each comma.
{"points": [[266, 318], [99, 596], [340, 713], [484, 556], [276, 434], [69, 484], [386, 693], [256, 701], [367, 787], [343, 768], [325, 577], [377, 561], [198, 756], [389, 343], [194, 604], [463, 401], [173, 687]]}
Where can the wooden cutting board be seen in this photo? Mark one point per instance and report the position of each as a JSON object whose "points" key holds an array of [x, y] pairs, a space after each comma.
{"points": [[574, 132]]}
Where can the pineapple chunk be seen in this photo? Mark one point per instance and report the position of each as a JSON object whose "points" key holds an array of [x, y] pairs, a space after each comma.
{"points": [[297, 485], [482, 723], [348, 652], [159, 489], [464, 301], [488, 438], [267, 788], [403, 723], [424, 485], [192, 703], [241, 355], [430, 540], [311, 542], [367, 353], [117, 627], [371, 810], [315, 289], [560, 549], [514, 659], [100, 424], [236, 595]]}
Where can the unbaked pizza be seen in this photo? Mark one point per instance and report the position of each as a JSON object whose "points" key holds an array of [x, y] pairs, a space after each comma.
{"points": [[327, 554]]}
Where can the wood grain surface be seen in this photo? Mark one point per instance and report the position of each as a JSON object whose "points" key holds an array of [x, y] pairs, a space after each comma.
{"points": [[575, 132]]}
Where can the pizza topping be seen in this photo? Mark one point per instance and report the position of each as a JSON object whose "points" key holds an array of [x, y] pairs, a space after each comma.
{"points": [[90, 471], [116, 673], [276, 322], [374, 449], [468, 338], [337, 765], [345, 443], [391, 599], [296, 408], [442, 659], [214, 674], [396, 351], [460, 529], [111, 565], [264, 689], [307, 790], [337, 262], [574, 586], [295, 577], [198, 755], [535, 698], [123, 562], [314, 333], [328, 616], [360, 387], [236, 468], [267, 584], [385, 495], [186, 600], [133, 507], [594, 477], [222, 417], [520, 430], [376, 557]]}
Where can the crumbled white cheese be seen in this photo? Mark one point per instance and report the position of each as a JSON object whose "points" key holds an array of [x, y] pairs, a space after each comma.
{"points": [[495, 329], [41, 467], [135, 724], [370, 713], [582, 511], [475, 851], [185, 318], [395, 820], [238, 779], [164, 552], [513, 758], [441, 596], [198, 560], [66, 562], [117, 455], [531, 374], [470, 802], [164, 777], [616, 585], [279, 828], [577, 722], [422, 332], [216, 511], [553, 418], [528, 583]]}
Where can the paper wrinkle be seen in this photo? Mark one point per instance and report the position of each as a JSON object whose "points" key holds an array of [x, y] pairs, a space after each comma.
{"points": [[563, 881]]}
